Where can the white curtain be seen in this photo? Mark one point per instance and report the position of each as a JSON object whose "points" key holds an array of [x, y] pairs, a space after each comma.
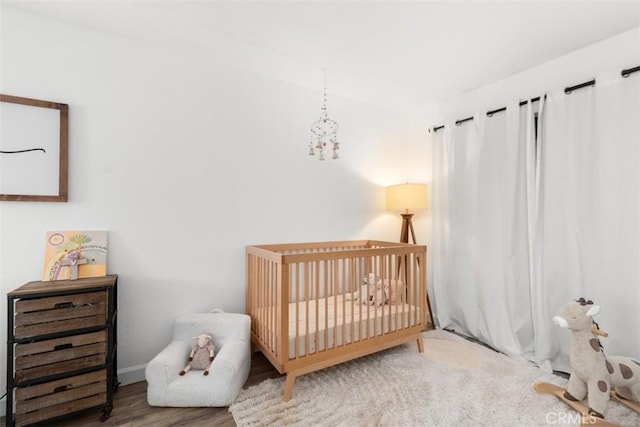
{"points": [[480, 256], [529, 217], [588, 237]]}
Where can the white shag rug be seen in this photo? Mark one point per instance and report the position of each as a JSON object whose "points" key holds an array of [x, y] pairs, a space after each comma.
{"points": [[453, 383]]}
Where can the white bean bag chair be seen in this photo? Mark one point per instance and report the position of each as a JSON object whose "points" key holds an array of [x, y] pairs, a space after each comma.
{"points": [[228, 372]]}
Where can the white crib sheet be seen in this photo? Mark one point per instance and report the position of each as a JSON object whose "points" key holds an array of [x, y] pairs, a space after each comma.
{"points": [[326, 323]]}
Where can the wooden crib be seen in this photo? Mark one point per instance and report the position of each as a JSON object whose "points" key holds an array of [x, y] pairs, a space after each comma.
{"points": [[314, 305]]}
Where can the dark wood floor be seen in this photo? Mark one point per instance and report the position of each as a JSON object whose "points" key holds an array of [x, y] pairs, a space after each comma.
{"points": [[130, 407]]}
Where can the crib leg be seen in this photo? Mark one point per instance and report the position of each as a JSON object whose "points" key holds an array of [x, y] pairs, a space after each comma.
{"points": [[288, 386], [420, 344]]}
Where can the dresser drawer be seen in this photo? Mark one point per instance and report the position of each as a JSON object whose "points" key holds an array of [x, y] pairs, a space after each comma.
{"points": [[43, 401], [60, 355], [49, 315]]}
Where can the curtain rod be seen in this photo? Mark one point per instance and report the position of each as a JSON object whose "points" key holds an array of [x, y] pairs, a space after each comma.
{"points": [[624, 73]]}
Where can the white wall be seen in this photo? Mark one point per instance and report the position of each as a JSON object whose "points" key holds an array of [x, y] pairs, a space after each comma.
{"points": [[418, 168], [613, 54], [185, 161]]}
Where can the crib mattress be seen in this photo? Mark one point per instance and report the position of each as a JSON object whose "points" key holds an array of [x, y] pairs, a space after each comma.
{"points": [[326, 323]]}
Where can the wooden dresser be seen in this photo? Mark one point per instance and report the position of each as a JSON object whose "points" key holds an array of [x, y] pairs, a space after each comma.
{"points": [[61, 349]]}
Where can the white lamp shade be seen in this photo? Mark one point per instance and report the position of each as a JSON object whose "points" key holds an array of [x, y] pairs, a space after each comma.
{"points": [[407, 197]]}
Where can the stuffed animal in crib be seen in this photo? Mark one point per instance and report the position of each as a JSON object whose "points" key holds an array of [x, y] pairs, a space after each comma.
{"points": [[377, 291], [594, 374], [201, 356], [363, 292]]}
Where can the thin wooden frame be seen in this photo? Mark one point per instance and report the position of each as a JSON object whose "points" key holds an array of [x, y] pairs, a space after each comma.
{"points": [[63, 161]]}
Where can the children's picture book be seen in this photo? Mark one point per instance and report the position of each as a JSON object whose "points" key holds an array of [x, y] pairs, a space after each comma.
{"points": [[71, 255]]}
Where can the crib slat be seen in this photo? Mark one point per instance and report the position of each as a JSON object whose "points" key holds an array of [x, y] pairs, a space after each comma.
{"points": [[307, 348], [283, 300]]}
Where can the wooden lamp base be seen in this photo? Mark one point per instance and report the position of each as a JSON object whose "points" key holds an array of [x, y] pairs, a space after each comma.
{"points": [[407, 226]]}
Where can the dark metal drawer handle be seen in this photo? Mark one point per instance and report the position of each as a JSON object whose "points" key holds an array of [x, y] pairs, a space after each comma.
{"points": [[63, 305], [62, 346]]}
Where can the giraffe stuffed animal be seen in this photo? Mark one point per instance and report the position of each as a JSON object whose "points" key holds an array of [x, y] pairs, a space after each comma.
{"points": [[594, 374]]}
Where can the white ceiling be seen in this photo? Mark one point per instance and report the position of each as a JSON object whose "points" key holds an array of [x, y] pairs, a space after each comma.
{"points": [[403, 55]]}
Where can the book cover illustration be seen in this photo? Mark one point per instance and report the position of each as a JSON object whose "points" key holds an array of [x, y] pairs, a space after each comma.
{"points": [[71, 255]]}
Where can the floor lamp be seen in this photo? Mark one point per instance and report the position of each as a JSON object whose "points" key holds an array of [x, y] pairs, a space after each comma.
{"points": [[406, 197]]}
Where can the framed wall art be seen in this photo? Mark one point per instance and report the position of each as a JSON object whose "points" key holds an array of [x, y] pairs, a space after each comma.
{"points": [[34, 145], [75, 254]]}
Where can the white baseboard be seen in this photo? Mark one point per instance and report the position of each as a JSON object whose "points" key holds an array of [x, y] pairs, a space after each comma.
{"points": [[133, 374], [126, 376]]}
